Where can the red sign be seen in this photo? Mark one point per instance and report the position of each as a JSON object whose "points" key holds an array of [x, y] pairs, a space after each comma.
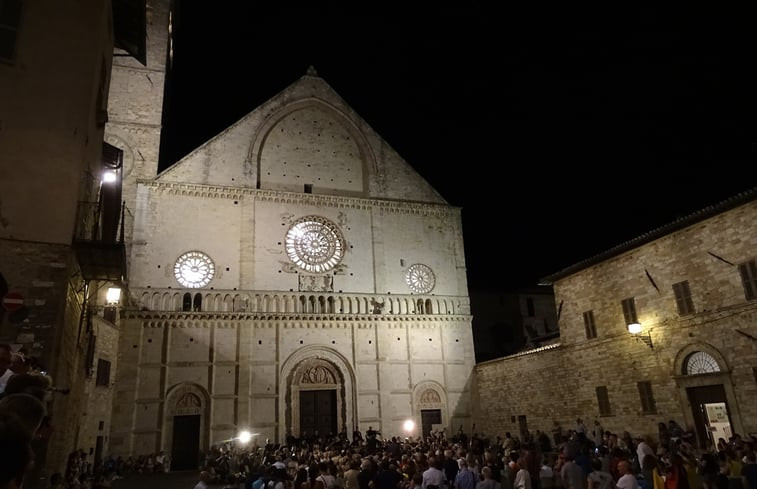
{"points": [[13, 301]]}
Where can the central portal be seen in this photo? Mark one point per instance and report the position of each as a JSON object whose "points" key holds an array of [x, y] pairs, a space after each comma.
{"points": [[319, 394], [318, 412]]}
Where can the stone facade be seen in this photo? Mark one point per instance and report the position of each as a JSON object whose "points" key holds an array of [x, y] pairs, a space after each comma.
{"points": [[382, 332], [51, 161], [566, 380]]}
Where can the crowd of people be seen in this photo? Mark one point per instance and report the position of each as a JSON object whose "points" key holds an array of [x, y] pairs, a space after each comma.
{"points": [[576, 458]]}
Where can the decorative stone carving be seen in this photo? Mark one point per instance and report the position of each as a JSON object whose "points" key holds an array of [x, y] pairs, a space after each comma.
{"points": [[378, 307], [188, 402], [430, 396], [318, 374], [316, 283]]}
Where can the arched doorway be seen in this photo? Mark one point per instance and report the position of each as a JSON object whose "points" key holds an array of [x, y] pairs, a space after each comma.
{"points": [[704, 383], [430, 407], [185, 425], [319, 393]]}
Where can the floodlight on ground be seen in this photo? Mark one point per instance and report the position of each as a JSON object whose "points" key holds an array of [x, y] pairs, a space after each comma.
{"points": [[244, 436]]}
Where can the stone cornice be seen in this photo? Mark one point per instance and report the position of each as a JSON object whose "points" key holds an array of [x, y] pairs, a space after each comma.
{"points": [[279, 196]]}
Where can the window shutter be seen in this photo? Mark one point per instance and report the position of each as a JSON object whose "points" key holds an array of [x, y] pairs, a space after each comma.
{"points": [[748, 273]]}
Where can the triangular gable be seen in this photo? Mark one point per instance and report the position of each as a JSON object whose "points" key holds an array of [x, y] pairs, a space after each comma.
{"points": [[305, 135]]}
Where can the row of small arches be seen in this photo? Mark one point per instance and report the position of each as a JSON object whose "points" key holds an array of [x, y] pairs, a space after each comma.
{"points": [[295, 303]]}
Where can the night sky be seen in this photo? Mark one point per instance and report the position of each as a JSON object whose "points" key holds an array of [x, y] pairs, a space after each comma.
{"points": [[559, 132]]}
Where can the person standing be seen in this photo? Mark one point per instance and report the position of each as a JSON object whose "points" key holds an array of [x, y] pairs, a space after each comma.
{"points": [[627, 478], [464, 479], [204, 479], [571, 474], [522, 477], [5, 363]]}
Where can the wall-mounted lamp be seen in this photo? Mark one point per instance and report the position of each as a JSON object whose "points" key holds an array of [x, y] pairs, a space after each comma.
{"points": [[635, 330], [109, 176], [113, 296]]}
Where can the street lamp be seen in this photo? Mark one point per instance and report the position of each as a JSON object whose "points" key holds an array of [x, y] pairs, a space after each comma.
{"points": [[635, 330], [113, 296]]}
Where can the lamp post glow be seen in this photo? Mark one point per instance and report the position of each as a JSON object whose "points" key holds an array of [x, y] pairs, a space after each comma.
{"points": [[409, 426]]}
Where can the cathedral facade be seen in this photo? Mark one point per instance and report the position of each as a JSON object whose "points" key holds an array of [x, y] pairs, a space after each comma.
{"points": [[291, 275]]}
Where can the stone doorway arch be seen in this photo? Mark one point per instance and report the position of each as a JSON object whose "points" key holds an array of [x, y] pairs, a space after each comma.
{"points": [[430, 407], [703, 378], [186, 405], [316, 369]]}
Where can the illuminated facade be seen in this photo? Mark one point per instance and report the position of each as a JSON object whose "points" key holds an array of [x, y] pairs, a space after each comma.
{"points": [[291, 274]]}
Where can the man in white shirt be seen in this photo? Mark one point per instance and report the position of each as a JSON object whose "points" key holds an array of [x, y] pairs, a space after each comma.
{"points": [[433, 477], [627, 478], [642, 450]]}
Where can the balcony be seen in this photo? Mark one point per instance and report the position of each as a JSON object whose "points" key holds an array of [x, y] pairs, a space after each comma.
{"points": [[99, 241]]}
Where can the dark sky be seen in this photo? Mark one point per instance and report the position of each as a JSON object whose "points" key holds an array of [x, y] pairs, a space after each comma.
{"points": [[561, 132]]}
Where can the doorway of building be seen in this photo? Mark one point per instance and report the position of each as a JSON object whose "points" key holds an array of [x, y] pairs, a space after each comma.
{"points": [[185, 448], [712, 419], [318, 412], [429, 418], [523, 426], [99, 443]]}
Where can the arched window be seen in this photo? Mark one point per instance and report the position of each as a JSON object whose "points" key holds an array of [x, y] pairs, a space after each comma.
{"points": [[186, 304], [197, 304], [700, 362]]}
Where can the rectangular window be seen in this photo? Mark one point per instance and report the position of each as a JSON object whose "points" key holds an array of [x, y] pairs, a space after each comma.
{"points": [[604, 401], [308, 188], [683, 298], [647, 398], [103, 372], [748, 273], [629, 310], [589, 326], [530, 307], [10, 20]]}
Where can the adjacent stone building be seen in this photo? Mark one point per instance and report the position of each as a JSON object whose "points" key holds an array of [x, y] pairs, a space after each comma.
{"points": [[691, 289], [291, 274], [61, 247]]}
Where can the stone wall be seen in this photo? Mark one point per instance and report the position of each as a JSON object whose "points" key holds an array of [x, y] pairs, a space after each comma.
{"points": [[560, 384]]}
